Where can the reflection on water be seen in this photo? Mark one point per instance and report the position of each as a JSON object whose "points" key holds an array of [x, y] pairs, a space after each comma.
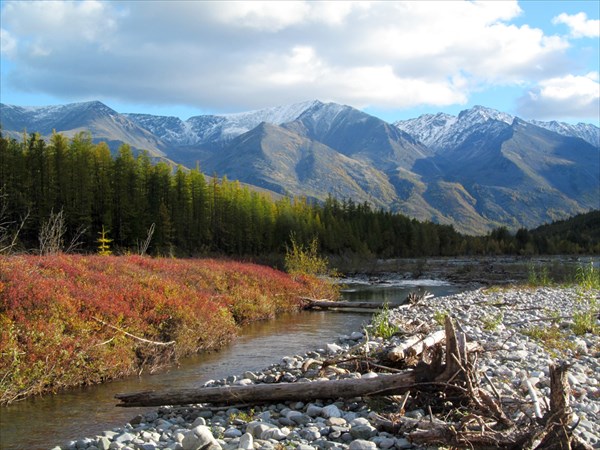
{"points": [[394, 291], [53, 420]]}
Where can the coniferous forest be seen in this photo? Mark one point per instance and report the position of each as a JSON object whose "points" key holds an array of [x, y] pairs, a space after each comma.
{"points": [[121, 198]]}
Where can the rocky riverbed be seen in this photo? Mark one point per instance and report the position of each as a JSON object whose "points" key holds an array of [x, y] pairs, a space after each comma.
{"points": [[521, 331]]}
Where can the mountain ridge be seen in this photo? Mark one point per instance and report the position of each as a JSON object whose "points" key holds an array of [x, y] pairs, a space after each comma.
{"points": [[477, 170], [436, 129]]}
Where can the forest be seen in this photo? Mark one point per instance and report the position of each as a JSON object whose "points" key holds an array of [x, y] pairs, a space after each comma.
{"points": [[132, 204]]}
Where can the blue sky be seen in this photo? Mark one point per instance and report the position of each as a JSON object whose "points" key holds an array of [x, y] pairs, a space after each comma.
{"points": [[395, 60]]}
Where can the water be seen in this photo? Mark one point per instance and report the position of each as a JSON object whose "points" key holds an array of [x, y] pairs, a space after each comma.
{"points": [[42, 423]]}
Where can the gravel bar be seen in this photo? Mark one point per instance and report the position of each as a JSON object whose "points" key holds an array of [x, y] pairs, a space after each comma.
{"points": [[500, 319]]}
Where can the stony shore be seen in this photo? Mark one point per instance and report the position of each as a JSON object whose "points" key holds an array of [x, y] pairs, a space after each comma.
{"points": [[501, 320]]}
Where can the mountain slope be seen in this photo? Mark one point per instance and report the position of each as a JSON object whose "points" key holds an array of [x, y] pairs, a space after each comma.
{"points": [[524, 175], [278, 159], [359, 135]]}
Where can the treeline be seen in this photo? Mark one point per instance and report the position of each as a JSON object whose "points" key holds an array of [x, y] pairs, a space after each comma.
{"points": [[128, 195], [579, 234]]}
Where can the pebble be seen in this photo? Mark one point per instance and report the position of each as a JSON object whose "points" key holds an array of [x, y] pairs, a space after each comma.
{"points": [[511, 359], [331, 411]]}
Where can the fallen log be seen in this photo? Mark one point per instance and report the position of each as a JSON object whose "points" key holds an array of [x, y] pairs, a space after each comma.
{"points": [[415, 345], [273, 393], [280, 392], [450, 435], [328, 304], [312, 303]]}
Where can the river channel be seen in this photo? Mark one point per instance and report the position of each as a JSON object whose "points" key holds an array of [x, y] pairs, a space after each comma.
{"points": [[42, 423]]}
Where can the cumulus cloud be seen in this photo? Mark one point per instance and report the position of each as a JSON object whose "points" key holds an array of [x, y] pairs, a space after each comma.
{"points": [[568, 96], [579, 24], [229, 56]]}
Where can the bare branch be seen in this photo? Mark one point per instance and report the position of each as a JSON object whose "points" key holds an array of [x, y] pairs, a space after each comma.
{"points": [[147, 341], [51, 233]]}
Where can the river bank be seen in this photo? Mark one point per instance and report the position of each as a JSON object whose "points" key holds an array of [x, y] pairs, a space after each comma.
{"points": [[75, 320], [467, 270], [503, 321]]}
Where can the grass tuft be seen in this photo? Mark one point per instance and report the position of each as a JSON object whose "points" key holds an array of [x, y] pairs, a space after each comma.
{"points": [[552, 338], [381, 324]]}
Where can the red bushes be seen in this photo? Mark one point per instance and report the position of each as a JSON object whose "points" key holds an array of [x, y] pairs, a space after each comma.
{"points": [[49, 306]]}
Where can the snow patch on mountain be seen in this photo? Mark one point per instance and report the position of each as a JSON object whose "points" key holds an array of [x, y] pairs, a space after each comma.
{"points": [[443, 131], [276, 115], [585, 131], [40, 114], [198, 130], [428, 128]]}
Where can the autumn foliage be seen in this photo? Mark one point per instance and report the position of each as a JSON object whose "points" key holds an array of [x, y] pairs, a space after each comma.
{"points": [[64, 319]]}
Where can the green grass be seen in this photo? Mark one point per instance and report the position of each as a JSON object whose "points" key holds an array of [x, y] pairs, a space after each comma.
{"points": [[440, 317], [381, 324], [245, 416], [552, 338], [585, 320], [539, 276], [490, 323], [587, 276]]}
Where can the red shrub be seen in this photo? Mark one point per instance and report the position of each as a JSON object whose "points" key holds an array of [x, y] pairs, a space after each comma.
{"points": [[63, 317]]}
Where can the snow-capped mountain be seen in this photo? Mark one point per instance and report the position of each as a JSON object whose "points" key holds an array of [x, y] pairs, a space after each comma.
{"points": [[358, 135], [443, 131], [101, 121], [206, 129], [585, 131], [475, 171]]}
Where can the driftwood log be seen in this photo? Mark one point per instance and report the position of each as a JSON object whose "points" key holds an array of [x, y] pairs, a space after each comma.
{"points": [[329, 304], [311, 303], [415, 345], [279, 392], [276, 392]]}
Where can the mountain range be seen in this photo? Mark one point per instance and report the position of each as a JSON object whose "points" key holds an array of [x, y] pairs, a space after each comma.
{"points": [[476, 171]]}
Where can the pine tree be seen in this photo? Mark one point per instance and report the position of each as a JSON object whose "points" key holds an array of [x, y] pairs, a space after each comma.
{"points": [[104, 243]]}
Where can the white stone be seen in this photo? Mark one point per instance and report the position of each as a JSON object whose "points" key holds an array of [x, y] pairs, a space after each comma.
{"points": [[369, 375], [198, 438], [333, 348], [278, 434], [198, 421], [246, 442], [232, 433], [361, 444]]}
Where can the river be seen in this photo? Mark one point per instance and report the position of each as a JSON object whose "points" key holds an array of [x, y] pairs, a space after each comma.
{"points": [[44, 422]]}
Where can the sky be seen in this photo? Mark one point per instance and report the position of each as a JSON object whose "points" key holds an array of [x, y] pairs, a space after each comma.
{"points": [[396, 60]]}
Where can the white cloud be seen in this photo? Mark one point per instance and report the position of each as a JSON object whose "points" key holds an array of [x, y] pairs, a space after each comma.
{"points": [[569, 96], [579, 25], [229, 56], [8, 43], [261, 15]]}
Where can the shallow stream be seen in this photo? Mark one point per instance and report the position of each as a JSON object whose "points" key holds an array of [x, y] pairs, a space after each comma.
{"points": [[42, 423]]}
